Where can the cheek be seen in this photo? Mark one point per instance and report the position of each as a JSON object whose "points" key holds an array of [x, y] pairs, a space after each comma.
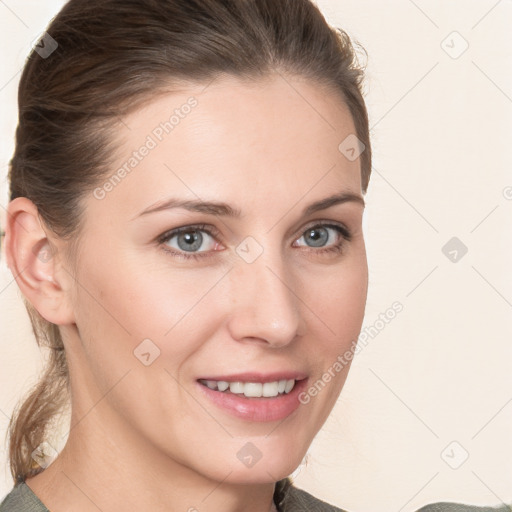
{"points": [[338, 298], [134, 302], [339, 304]]}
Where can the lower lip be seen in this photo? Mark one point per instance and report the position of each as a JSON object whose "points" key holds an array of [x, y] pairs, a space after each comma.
{"points": [[257, 408]]}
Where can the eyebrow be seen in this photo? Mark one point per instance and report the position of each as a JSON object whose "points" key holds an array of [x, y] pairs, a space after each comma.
{"points": [[225, 210]]}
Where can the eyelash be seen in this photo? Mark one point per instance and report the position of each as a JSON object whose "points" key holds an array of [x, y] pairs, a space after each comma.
{"points": [[346, 236]]}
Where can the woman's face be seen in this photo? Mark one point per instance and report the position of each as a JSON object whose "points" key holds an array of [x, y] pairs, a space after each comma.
{"points": [[261, 293]]}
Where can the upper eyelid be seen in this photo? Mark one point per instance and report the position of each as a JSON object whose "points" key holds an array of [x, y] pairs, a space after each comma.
{"points": [[190, 227]]}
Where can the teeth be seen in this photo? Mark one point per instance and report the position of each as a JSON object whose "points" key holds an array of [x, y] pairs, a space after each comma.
{"points": [[222, 385], [270, 389], [211, 384], [252, 389], [236, 387]]}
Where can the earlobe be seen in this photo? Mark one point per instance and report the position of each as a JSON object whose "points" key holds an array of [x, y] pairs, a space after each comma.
{"points": [[34, 263]]}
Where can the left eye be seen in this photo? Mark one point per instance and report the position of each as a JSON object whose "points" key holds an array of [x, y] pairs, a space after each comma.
{"points": [[320, 234]]}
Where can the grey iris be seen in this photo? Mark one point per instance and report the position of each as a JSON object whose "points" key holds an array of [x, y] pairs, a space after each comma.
{"points": [[193, 239], [318, 240]]}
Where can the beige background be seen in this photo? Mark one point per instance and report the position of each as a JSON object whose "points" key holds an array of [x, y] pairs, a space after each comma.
{"points": [[434, 384]]}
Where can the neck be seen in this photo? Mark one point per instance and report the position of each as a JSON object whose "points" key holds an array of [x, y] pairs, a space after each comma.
{"points": [[112, 470]]}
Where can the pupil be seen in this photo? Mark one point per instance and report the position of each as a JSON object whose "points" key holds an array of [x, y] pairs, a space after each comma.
{"points": [[319, 237], [192, 240]]}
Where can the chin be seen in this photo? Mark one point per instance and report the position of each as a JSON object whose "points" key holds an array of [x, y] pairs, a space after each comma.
{"points": [[264, 460], [264, 474]]}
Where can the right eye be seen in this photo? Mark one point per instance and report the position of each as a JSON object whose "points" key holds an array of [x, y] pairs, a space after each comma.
{"points": [[188, 240]]}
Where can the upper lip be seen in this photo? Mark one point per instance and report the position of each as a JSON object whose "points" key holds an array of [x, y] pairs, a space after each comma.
{"points": [[257, 377]]}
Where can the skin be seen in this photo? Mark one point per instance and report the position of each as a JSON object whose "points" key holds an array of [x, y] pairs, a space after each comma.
{"points": [[144, 437]]}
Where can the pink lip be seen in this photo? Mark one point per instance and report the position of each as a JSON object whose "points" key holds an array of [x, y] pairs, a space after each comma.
{"points": [[257, 377], [259, 408]]}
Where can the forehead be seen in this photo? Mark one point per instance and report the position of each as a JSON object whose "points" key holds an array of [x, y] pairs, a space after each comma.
{"points": [[265, 141]]}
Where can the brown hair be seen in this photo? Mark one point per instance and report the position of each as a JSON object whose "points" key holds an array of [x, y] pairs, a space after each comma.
{"points": [[111, 55]]}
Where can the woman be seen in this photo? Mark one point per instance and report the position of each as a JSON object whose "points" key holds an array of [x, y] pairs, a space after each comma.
{"points": [[185, 226]]}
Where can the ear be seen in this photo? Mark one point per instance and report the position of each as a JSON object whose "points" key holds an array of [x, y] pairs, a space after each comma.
{"points": [[36, 264]]}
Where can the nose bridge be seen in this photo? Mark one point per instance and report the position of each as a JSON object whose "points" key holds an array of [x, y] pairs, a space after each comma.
{"points": [[265, 305]]}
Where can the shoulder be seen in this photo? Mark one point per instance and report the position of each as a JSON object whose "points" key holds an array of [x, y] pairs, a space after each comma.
{"points": [[293, 499], [298, 500], [22, 499], [461, 507]]}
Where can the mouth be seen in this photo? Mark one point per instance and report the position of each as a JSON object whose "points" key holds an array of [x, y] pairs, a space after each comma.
{"points": [[251, 389], [252, 397]]}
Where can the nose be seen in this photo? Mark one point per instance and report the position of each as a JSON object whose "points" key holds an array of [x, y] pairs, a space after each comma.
{"points": [[265, 305]]}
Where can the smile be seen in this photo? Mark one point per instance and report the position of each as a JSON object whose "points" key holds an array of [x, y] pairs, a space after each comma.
{"points": [[252, 389], [255, 401]]}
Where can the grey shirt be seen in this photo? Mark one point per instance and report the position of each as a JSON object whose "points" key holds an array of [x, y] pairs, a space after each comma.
{"points": [[287, 497], [22, 499]]}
